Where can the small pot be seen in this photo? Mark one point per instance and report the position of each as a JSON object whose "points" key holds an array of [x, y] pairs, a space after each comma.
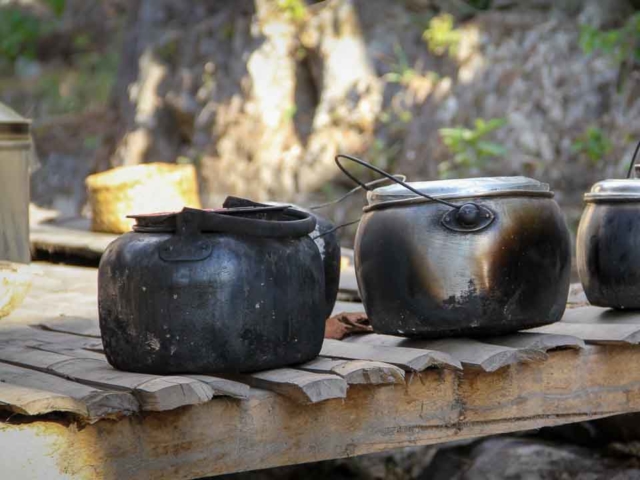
{"points": [[235, 290], [608, 244], [465, 257]]}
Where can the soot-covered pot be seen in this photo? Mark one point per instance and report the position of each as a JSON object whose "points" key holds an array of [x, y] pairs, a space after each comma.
{"points": [[482, 256], [608, 244], [326, 239], [236, 290]]}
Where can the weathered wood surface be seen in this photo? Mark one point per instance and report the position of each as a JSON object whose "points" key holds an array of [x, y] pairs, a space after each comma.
{"points": [[298, 385], [30, 392], [471, 353], [355, 398], [357, 372], [410, 359], [269, 430]]}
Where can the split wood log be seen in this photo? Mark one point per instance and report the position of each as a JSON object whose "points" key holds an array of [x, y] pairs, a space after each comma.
{"points": [[299, 386], [471, 353], [155, 393], [597, 333], [409, 359], [536, 341], [357, 372], [30, 392]]}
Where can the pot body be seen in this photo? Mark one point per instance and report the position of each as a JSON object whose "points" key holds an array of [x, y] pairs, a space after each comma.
{"points": [[251, 303], [419, 278], [608, 253]]}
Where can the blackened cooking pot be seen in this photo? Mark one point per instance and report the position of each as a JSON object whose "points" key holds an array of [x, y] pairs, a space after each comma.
{"points": [[200, 291], [326, 239], [466, 257], [608, 243]]}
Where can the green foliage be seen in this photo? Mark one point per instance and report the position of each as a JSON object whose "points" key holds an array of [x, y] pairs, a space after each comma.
{"points": [[594, 144], [400, 71], [57, 6], [441, 36], [85, 87], [619, 45], [19, 34], [21, 30], [294, 10], [469, 147]]}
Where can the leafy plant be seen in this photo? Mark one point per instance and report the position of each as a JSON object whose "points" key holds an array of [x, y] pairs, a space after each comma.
{"points": [[441, 36], [19, 34], [294, 10], [469, 146], [620, 45], [593, 143], [401, 72]]}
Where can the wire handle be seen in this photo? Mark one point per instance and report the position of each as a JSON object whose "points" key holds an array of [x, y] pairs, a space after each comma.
{"points": [[388, 176], [354, 190], [633, 160]]}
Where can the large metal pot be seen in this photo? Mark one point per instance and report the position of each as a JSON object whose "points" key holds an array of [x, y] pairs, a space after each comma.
{"points": [[608, 244], [15, 159], [236, 290], [479, 256]]}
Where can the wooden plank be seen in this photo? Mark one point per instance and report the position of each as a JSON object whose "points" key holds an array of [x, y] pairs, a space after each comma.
{"points": [[268, 430], [536, 341], [471, 353], [155, 393], [35, 393], [302, 387], [84, 347], [222, 387], [59, 239], [84, 327], [409, 359], [357, 372], [602, 315], [596, 333]]}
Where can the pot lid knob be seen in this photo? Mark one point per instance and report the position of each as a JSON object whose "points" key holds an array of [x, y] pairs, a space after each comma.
{"points": [[468, 215]]}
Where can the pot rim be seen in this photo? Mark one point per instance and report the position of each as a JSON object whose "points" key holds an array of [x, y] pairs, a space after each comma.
{"points": [[419, 200], [291, 222]]}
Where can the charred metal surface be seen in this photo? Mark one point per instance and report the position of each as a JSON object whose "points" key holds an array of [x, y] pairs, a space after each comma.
{"points": [[419, 278], [608, 254], [325, 237], [252, 303]]}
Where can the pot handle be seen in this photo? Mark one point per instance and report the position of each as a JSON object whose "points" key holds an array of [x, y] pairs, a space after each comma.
{"points": [[469, 217]]}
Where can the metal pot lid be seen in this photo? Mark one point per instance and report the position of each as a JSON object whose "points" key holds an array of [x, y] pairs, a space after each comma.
{"points": [[614, 190], [13, 127], [461, 188]]}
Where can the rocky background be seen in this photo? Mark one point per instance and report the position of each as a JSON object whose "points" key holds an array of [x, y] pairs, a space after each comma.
{"points": [[261, 94]]}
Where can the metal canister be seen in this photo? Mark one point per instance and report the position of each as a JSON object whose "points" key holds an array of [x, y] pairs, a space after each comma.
{"points": [[608, 243], [15, 157]]}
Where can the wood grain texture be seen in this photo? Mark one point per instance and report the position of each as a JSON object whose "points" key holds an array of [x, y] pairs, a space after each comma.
{"points": [[269, 430], [409, 359], [35, 393], [356, 372], [297, 385], [155, 393], [471, 353], [601, 315], [596, 333], [536, 341]]}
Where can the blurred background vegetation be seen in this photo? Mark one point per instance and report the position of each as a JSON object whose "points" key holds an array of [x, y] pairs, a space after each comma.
{"points": [[260, 95]]}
